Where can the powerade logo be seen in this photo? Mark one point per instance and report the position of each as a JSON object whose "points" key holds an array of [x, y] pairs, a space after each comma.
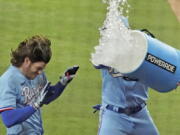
{"points": [[160, 63]]}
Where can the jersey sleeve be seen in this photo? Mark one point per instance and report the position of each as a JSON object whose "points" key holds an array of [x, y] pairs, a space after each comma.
{"points": [[7, 95]]}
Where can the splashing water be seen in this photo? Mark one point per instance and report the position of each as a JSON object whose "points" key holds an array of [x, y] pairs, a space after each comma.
{"points": [[116, 42]]}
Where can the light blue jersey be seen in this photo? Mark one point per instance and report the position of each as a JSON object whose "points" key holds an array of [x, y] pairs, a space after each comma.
{"points": [[118, 94], [122, 93], [17, 92]]}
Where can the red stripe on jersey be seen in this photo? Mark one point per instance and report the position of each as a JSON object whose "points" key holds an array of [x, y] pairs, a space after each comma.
{"points": [[5, 109]]}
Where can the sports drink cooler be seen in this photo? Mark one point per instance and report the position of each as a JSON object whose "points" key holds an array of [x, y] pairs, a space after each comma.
{"points": [[158, 65]]}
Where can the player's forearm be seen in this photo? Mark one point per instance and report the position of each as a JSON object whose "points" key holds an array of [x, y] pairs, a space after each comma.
{"points": [[54, 92], [101, 67], [15, 116]]}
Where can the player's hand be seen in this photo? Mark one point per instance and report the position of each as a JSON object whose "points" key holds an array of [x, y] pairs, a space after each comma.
{"points": [[178, 83], [68, 75], [37, 101]]}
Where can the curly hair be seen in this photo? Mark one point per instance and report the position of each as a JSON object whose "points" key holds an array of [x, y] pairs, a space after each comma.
{"points": [[36, 48]]}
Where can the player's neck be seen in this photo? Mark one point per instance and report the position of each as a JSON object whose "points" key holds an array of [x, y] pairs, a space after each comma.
{"points": [[23, 71]]}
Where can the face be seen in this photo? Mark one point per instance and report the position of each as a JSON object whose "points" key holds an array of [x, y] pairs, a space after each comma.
{"points": [[31, 70]]}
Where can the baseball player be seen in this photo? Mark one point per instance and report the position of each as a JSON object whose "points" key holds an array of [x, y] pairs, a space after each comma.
{"points": [[123, 110], [24, 87]]}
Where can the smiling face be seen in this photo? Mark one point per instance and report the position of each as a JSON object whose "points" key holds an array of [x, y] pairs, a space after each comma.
{"points": [[32, 69]]}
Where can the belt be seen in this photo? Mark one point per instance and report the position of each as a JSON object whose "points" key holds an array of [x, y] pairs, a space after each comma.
{"points": [[127, 110]]}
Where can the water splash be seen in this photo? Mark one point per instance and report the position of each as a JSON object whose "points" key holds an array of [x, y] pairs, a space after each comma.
{"points": [[115, 36]]}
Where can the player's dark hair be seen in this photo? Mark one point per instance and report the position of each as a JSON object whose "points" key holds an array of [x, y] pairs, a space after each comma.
{"points": [[36, 48]]}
